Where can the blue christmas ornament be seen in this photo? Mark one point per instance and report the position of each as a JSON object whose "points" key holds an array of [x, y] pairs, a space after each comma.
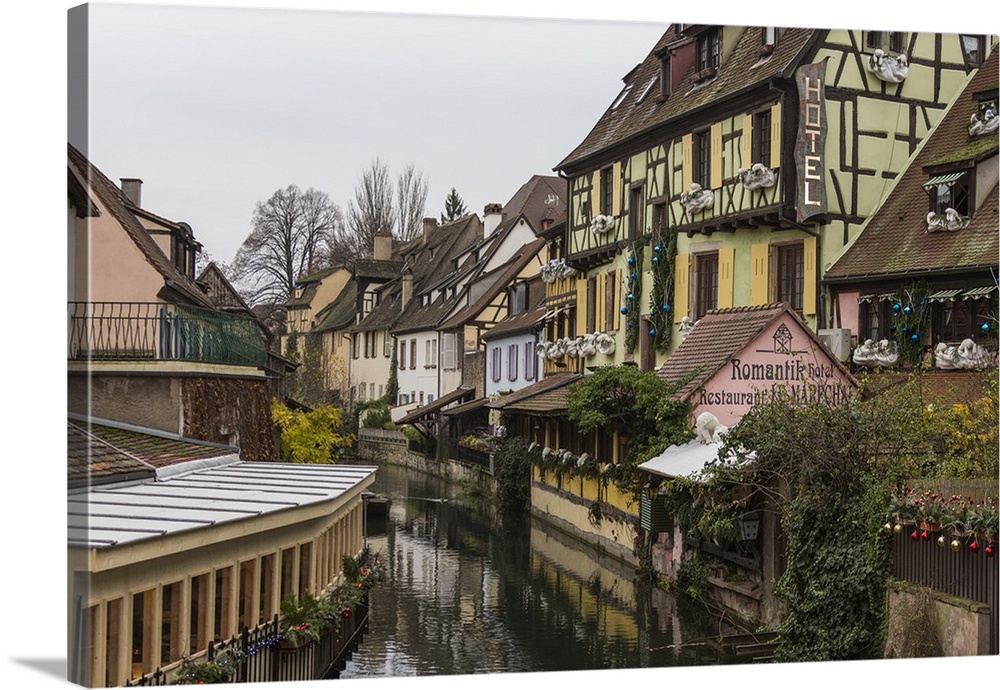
{"points": [[633, 276], [985, 328], [652, 332], [630, 324], [905, 329], [631, 261], [896, 307], [631, 296], [915, 338], [656, 248], [907, 310], [666, 307], [624, 310], [656, 259]]}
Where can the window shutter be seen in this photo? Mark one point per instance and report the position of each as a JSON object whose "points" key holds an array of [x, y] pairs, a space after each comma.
{"points": [[809, 275], [413, 353], [616, 190], [615, 289], [746, 143], [727, 257], [512, 364], [759, 286], [601, 302], [687, 163], [591, 304], [716, 142], [595, 194], [775, 137], [581, 305], [402, 354], [448, 350], [682, 278], [529, 360]]}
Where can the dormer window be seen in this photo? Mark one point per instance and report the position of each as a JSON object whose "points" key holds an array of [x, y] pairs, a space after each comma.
{"points": [[709, 53], [949, 190], [666, 85]]}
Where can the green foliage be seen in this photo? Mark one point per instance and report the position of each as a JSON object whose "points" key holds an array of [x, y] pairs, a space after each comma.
{"points": [[910, 317], [300, 619], [351, 568], [392, 385], [454, 207], [632, 294], [634, 403], [309, 437], [221, 669], [661, 296], [512, 471], [693, 574], [373, 414]]}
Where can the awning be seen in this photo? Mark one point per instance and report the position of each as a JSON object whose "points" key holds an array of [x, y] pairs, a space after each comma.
{"points": [[946, 178], [979, 292], [887, 297], [683, 461], [430, 410], [865, 298], [943, 295]]}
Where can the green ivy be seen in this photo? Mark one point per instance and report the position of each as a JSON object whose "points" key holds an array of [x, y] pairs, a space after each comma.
{"points": [[512, 471], [910, 317], [661, 297]]}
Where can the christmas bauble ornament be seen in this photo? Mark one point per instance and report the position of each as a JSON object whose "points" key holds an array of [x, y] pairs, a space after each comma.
{"points": [[915, 338], [898, 528], [631, 261], [942, 541], [656, 248], [624, 310], [666, 307], [633, 276], [907, 310], [974, 547], [652, 332], [985, 328], [955, 544], [631, 296], [915, 536], [656, 259], [925, 535], [989, 551], [896, 307], [887, 527]]}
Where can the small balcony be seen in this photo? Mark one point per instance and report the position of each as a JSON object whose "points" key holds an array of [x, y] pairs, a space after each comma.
{"points": [[153, 331]]}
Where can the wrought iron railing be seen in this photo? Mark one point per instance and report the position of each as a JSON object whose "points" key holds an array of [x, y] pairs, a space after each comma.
{"points": [[115, 331]]}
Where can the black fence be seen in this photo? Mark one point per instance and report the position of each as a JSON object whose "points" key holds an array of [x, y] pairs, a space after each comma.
{"points": [[262, 655], [962, 572], [464, 454]]}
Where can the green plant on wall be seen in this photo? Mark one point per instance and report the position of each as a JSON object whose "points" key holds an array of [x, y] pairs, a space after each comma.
{"points": [[632, 292], [661, 296], [910, 323]]}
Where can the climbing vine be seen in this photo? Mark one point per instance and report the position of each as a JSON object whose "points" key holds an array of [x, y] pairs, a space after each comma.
{"points": [[632, 294], [910, 323], [662, 293]]}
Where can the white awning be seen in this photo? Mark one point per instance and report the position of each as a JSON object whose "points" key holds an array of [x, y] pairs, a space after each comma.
{"points": [[946, 178], [979, 292], [683, 461], [943, 295]]}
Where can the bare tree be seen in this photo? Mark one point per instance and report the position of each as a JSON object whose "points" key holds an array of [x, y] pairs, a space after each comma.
{"points": [[292, 234], [370, 211], [411, 199]]}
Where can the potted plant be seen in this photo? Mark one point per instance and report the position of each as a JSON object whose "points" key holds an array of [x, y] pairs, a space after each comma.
{"points": [[300, 620]]}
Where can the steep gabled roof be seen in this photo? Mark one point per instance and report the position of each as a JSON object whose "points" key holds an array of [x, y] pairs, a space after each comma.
{"points": [[383, 315], [222, 293], [743, 69], [118, 205], [504, 275], [721, 334], [543, 197], [895, 238], [339, 313]]}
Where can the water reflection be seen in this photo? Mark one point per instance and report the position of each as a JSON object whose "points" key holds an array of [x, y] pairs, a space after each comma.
{"points": [[468, 594]]}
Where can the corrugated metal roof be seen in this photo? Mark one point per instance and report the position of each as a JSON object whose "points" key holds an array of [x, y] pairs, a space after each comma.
{"points": [[105, 517]]}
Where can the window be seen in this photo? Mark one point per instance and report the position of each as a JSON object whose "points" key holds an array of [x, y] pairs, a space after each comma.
{"points": [[421, 397], [371, 391], [635, 213], [874, 320], [790, 275], [666, 85], [761, 144], [706, 283], [495, 364], [622, 96], [607, 191], [371, 340], [402, 354], [897, 42], [591, 304], [354, 345], [413, 353], [386, 345], [646, 91], [709, 52], [703, 159], [956, 319], [610, 300], [973, 48], [512, 362], [529, 360], [449, 350], [519, 299], [873, 40], [950, 190], [368, 303]]}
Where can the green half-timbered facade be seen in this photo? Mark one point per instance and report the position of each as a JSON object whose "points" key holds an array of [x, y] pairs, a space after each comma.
{"points": [[735, 164]]}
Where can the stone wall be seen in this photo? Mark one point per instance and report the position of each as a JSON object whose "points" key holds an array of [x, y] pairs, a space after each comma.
{"points": [[390, 447], [925, 623]]}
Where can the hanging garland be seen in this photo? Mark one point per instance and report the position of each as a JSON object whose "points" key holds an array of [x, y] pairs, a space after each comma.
{"points": [[910, 320], [661, 298], [632, 294]]}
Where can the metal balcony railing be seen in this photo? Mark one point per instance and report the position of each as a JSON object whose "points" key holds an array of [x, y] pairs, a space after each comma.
{"points": [[151, 331]]}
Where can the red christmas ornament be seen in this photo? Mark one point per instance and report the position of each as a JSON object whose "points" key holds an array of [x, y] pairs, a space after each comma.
{"points": [[925, 536], [974, 547], [989, 551], [915, 536]]}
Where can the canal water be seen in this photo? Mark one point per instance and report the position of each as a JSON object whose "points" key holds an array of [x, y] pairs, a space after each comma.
{"points": [[469, 594]]}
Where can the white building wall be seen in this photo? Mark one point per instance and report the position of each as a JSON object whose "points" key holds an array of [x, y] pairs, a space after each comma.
{"points": [[518, 349]]}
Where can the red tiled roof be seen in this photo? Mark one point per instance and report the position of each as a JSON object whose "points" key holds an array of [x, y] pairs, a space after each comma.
{"points": [[895, 239]]}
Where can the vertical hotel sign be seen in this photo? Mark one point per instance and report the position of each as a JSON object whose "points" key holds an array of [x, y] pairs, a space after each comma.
{"points": [[810, 145]]}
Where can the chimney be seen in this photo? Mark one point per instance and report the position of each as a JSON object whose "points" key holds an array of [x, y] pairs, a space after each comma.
{"points": [[407, 291], [132, 189], [429, 225], [382, 245], [492, 215]]}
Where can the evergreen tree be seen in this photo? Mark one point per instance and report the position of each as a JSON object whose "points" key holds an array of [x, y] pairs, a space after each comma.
{"points": [[454, 207]]}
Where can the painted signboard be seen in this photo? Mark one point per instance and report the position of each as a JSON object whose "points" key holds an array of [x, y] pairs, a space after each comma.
{"points": [[810, 198], [783, 356]]}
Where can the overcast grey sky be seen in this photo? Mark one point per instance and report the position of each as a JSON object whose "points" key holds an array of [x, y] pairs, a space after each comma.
{"points": [[216, 108]]}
